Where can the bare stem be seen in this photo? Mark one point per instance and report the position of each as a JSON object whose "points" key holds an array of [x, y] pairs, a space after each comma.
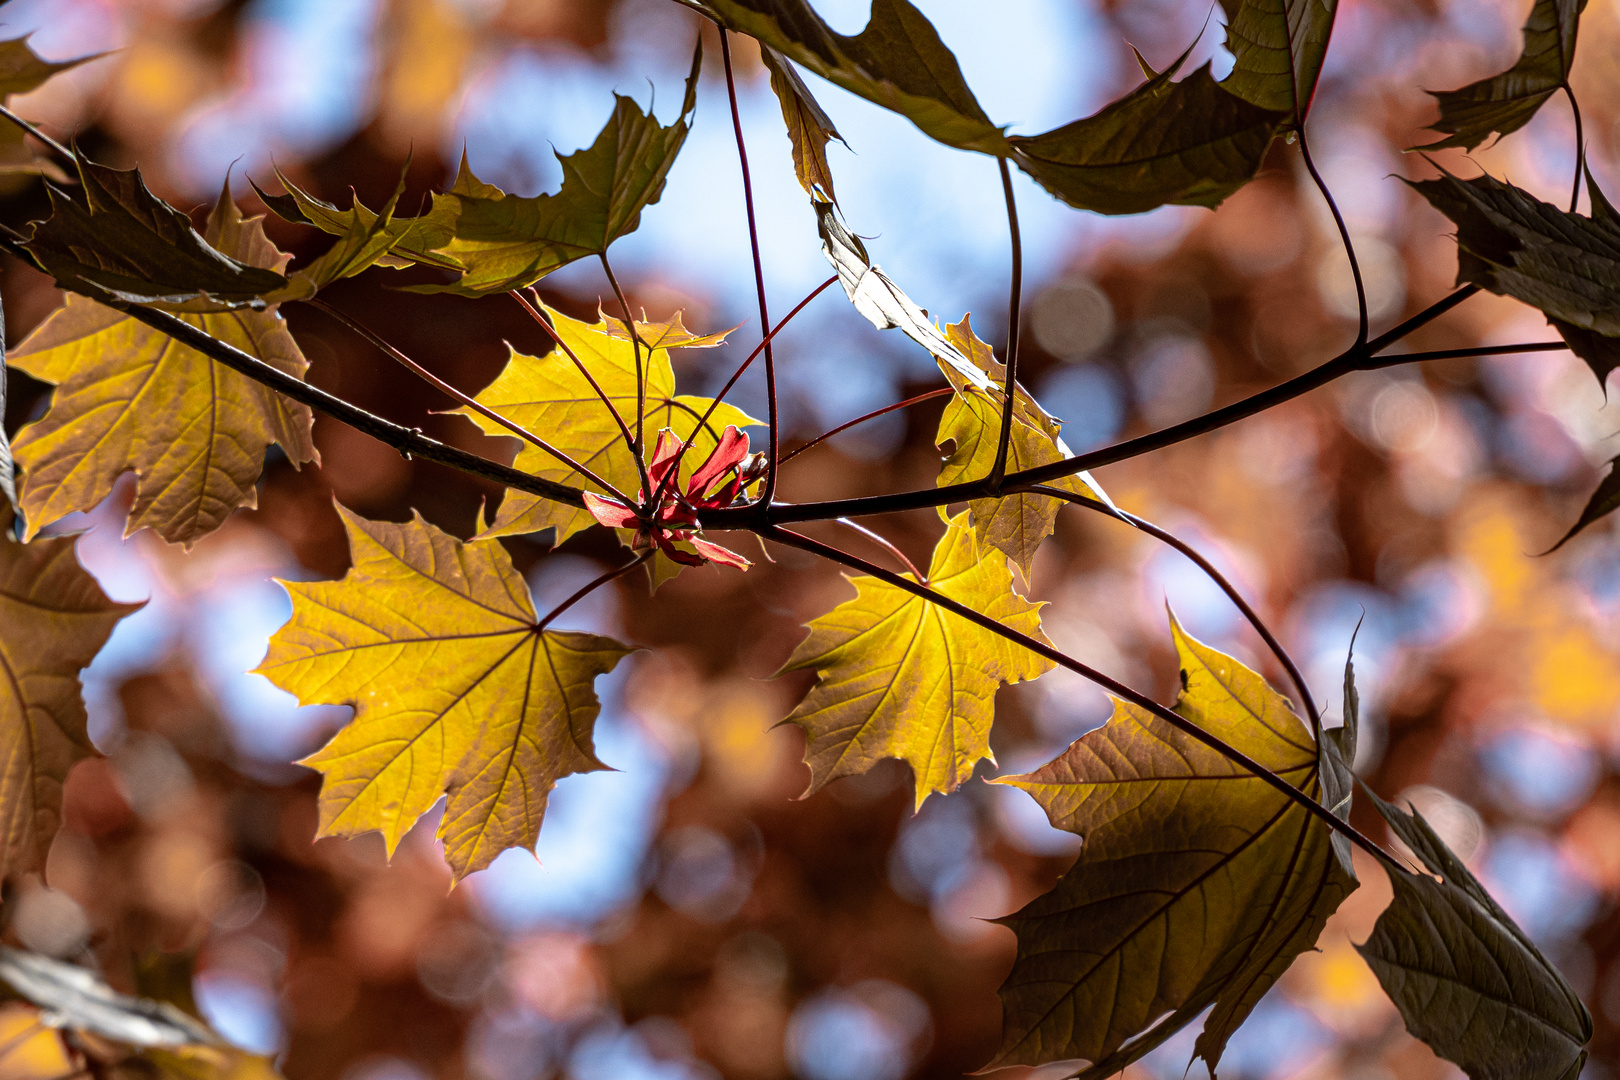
{"points": [[873, 415], [1344, 235], [483, 410], [1014, 312], [1457, 354], [1114, 687], [1580, 150], [533, 308], [592, 587], [886, 545], [33, 130], [1217, 577], [635, 345], [769, 492]]}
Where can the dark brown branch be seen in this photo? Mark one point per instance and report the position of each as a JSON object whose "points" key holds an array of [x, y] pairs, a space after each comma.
{"points": [[1344, 236], [466, 399], [886, 545], [1114, 687], [408, 441], [635, 345]]}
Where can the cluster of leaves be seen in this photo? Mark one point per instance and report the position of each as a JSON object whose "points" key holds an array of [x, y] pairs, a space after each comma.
{"points": [[1216, 835]]}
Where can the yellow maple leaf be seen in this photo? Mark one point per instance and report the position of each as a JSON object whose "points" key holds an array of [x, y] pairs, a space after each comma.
{"points": [[900, 677], [54, 618], [1015, 524], [129, 397], [550, 396], [455, 687]]}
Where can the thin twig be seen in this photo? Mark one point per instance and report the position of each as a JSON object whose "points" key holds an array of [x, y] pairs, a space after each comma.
{"points": [[407, 441], [1341, 365], [886, 545], [470, 402], [769, 492], [635, 345], [1580, 150], [1344, 235], [1216, 576], [592, 587], [1458, 354], [1014, 311], [1114, 687], [40, 135], [873, 415], [533, 308], [714, 403]]}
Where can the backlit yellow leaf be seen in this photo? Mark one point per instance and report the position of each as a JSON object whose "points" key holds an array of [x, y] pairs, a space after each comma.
{"points": [[1197, 884], [455, 688], [900, 677], [129, 398], [1014, 525], [548, 395], [54, 618]]}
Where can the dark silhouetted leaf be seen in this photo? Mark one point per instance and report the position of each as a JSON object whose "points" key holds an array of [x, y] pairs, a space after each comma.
{"points": [[898, 61], [133, 244], [1278, 46], [1603, 502], [1565, 264], [1466, 979], [1188, 143], [22, 70], [808, 127], [1505, 103], [1196, 886], [508, 241]]}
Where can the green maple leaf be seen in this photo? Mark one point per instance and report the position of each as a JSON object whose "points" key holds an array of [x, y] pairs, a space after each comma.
{"points": [[1197, 884], [900, 677], [1188, 143], [506, 242], [898, 62]]}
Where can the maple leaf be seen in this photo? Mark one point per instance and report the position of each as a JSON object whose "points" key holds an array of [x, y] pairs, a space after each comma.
{"points": [[808, 126], [900, 677], [507, 242], [1197, 883], [549, 394], [1188, 143], [455, 687], [129, 397], [365, 237], [1277, 47], [1015, 524], [54, 618]]}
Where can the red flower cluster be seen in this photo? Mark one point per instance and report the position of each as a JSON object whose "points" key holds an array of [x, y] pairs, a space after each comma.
{"points": [[715, 483]]}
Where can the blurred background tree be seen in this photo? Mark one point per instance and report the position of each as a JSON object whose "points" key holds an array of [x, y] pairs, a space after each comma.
{"points": [[687, 917]]}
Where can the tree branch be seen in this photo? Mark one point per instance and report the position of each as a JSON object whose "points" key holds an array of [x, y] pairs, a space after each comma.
{"points": [[470, 402], [1214, 575], [1118, 689], [1344, 235]]}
